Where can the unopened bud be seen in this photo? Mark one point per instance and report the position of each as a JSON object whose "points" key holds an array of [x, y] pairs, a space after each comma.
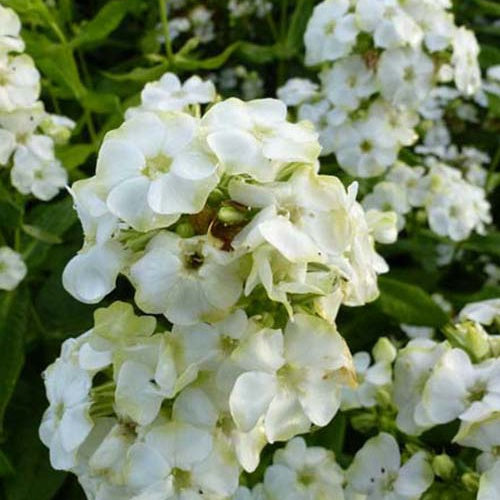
{"points": [[364, 422], [384, 350], [471, 481], [185, 230], [231, 215], [444, 467], [471, 337]]}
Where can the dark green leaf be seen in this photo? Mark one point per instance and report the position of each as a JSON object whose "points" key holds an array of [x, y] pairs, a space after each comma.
{"points": [[5, 466], [104, 23], [13, 323], [34, 477], [139, 75], [409, 304], [488, 7], [209, 63], [74, 155], [41, 234], [101, 103], [489, 244]]}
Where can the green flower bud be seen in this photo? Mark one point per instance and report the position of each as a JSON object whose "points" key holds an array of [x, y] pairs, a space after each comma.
{"points": [[471, 481], [471, 337], [364, 422], [231, 215], [444, 467], [185, 230], [384, 350]]}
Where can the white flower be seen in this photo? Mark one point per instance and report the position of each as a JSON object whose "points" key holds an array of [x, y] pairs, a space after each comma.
{"points": [[255, 138], [10, 27], [91, 274], [299, 472], [484, 312], [489, 485], [365, 148], [12, 269], [388, 196], [438, 25], [66, 423], [370, 378], [391, 26], [296, 91], [19, 82], [465, 63], [188, 280], [412, 370], [324, 118], [348, 82], [201, 21], [382, 225], [331, 32], [405, 76], [377, 471], [18, 130], [168, 94], [458, 389], [38, 171], [295, 386], [156, 168]]}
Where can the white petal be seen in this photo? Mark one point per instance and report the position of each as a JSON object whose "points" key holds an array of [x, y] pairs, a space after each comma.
{"points": [[250, 398]]}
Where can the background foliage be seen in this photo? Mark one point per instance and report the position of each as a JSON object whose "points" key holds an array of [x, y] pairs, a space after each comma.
{"points": [[94, 57]]}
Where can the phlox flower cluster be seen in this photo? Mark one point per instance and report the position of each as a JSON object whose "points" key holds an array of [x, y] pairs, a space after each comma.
{"points": [[27, 132], [226, 231], [380, 61], [453, 206], [424, 384]]}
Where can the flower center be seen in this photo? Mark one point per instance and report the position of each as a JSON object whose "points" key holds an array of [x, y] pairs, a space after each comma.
{"points": [[182, 479], [330, 27], [157, 166], [193, 260]]}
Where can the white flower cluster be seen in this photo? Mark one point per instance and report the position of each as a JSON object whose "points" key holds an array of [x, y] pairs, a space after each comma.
{"points": [[223, 225], [381, 60], [434, 383], [452, 206], [246, 8], [197, 22], [303, 473], [27, 131]]}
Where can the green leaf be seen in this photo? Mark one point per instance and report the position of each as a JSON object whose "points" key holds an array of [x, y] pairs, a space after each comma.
{"points": [[489, 56], [101, 102], [139, 75], [34, 477], [41, 234], [13, 323], [298, 24], [259, 54], [6, 468], [104, 23], [56, 218], [489, 244], [488, 7], [209, 63], [494, 105], [409, 304], [74, 155]]}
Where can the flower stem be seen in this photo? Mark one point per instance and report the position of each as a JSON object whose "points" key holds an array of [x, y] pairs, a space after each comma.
{"points": [[166, 32]]}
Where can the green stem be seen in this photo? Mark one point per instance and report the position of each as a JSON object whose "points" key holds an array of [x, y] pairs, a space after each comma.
{"points": [[272, 26], [166, 32]]}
